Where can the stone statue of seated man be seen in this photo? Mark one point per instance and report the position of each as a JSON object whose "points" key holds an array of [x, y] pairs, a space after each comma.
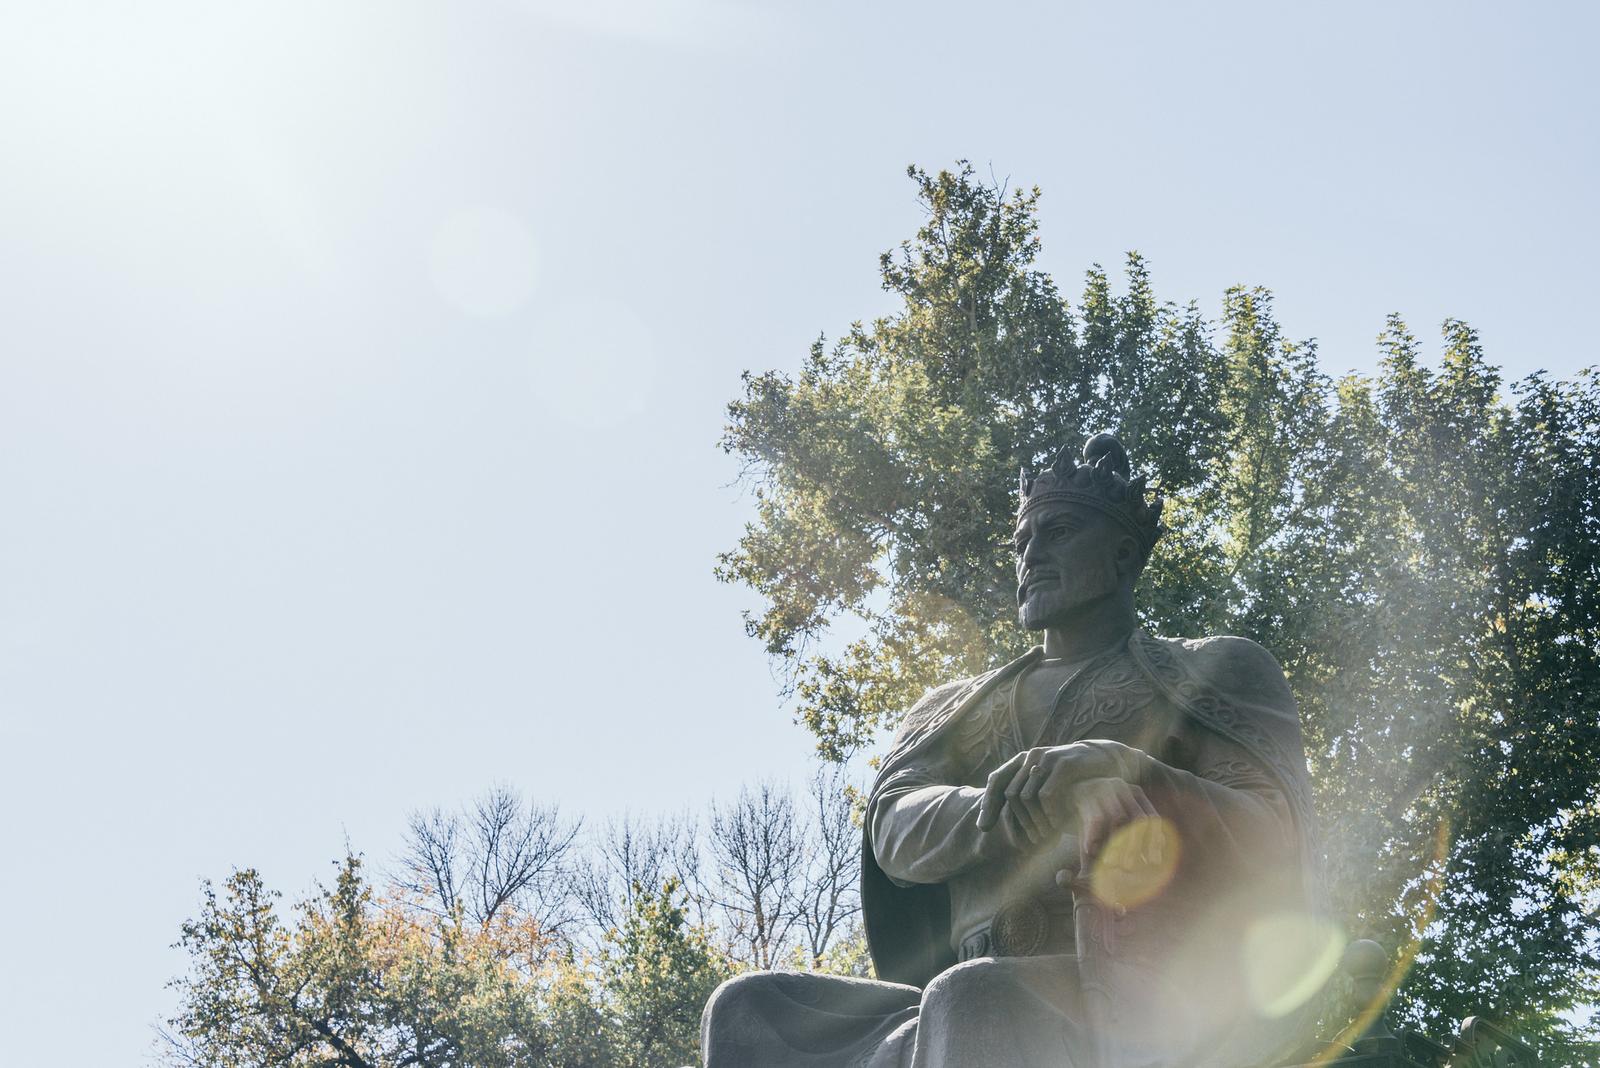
{"points": [[1099, 855]]}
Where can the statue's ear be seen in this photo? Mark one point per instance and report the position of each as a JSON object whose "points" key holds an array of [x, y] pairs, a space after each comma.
{"points": [[1127, 556]]}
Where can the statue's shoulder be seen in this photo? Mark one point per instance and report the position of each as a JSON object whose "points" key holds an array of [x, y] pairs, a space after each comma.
{"points": [[940, 704], [1226, 663], [1236, 688], [937, 705]]}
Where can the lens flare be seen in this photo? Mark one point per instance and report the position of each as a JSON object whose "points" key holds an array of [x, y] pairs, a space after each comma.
{"points": [[1136, 864], [1422, 912], [1287, 959]]}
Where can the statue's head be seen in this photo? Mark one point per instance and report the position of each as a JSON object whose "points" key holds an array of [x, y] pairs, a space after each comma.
{"points": [[1084, 533]]}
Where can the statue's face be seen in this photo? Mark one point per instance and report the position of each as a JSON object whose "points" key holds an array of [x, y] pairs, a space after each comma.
{"points": [[1067, 557]]}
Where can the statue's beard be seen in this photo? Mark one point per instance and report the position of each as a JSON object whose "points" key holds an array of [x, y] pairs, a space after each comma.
{"points": [[1050, 604]]}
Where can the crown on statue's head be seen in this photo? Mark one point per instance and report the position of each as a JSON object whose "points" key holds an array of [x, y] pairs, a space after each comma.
{"points": [[1101, 481]]}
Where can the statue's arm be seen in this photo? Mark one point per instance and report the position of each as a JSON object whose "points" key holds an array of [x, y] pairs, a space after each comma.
{"points": [[1092, 787], [1228, 804], [1212, 788], [1241, 798], [921, 819], [925, 832]]}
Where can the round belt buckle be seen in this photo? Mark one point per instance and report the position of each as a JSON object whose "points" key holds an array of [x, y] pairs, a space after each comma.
{"points": [[1020, 929]]}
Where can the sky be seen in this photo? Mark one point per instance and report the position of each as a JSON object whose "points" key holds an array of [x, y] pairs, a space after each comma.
{"points": [[362, 367]]}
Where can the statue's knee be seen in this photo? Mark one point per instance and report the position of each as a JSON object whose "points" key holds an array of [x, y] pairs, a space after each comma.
{"points": [[962, 986], [735, 996]]}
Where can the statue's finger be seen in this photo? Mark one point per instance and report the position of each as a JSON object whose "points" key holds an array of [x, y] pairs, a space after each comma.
{"points": [[1055, 799], [1026, 814], [1032, 777], [1091, 817], [994, 793], [1021, 827], [1022, 812], [1032, 801], [1130, 821], [1142, 799], [1125, 821], [1148, 824]]}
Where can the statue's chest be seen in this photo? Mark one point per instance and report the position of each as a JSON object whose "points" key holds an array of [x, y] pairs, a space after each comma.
{"points": [[1113, 701]]}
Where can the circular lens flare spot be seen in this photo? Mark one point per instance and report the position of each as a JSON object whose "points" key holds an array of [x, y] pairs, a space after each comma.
{"points": [[1136, 864], [1287, 959]]}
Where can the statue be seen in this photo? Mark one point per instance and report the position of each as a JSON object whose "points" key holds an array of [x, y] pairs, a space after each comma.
{"points": [[1099, 855]]}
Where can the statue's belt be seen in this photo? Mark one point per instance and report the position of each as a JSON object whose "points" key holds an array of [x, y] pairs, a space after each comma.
{"points": [[1023, 929]]}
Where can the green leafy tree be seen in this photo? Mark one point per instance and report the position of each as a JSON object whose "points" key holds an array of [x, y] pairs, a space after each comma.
{"points": [[1419, 547], [361, 983], [579, 1029], [658, 971], [473, 957]]}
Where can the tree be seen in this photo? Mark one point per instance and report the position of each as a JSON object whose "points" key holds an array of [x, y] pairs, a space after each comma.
{"points": [[756, 845], [657, 973], [631, 856], [499, 858], [477, 956], [352, 982], [830, 894], [1419, 547], [361, 981], [785, 874]]}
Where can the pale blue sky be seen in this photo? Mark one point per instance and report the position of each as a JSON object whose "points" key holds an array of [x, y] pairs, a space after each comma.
{"points": [[317, 504]]}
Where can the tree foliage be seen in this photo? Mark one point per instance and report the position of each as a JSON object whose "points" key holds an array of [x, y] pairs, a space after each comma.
{"points": [[658, 974], [504, 939], [351, 981], [1418, 546], [359, 981]]}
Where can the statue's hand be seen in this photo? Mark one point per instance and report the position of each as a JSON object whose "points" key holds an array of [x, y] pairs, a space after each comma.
{"points": [[1052, 789], [1103, 807]]}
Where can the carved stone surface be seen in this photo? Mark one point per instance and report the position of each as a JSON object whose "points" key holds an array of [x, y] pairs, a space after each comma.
{"points": [[1101, 854]]}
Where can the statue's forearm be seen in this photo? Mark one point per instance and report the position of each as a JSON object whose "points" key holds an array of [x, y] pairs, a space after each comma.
{"points": [[929, 834], [1237, 819]]}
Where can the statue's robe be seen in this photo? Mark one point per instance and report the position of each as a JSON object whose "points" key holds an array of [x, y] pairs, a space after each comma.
{"points": [[975, 943]]}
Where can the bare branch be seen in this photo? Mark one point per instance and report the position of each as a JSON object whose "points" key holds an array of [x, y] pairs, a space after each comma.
{"points": [[497, 858], [831, 896], [632, 855], [757, 843], [431, 860], [517, 856]]}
